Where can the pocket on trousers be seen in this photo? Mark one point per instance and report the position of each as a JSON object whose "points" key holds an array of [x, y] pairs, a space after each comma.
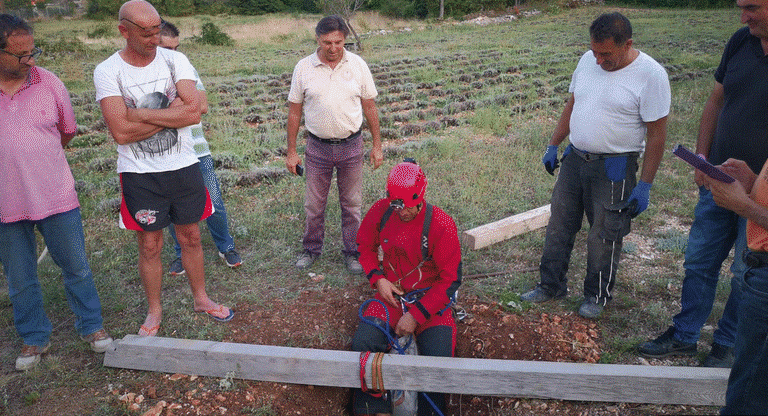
{"points": [[618, 223], [756, 281], [615, 168]]}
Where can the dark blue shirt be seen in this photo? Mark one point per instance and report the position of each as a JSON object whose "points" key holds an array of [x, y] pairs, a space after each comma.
{"points": [[742, 126]]}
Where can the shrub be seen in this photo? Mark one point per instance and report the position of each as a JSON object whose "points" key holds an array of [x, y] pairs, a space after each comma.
{"points": [[103, 8], [62, 44], [102, 30], [175, 7], [257, 7], [212, 35]]}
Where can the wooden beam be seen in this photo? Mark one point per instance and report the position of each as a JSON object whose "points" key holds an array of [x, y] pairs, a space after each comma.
{"points": [[549, 380], [42, 255], [506, 228]]}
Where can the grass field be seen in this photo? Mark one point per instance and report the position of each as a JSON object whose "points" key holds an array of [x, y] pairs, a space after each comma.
{"points": [[475, 105]]}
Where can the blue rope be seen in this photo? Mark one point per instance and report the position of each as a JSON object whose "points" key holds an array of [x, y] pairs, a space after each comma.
{"points": [[393, 342]]}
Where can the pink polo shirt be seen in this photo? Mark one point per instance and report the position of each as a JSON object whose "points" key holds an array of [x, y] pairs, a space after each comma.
{"points": [[35, 180]]}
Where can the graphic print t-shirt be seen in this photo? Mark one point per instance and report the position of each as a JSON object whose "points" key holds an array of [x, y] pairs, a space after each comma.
{"points": [[152, 86]]}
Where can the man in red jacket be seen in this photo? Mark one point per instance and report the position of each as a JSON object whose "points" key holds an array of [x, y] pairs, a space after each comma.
{"points": [[415, 282]]}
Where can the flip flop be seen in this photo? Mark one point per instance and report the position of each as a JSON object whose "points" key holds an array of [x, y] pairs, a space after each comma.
{"points": [[219, 309], [148, 332]]}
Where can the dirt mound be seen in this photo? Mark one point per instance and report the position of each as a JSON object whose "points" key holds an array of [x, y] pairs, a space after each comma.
{"points": [[327, 319]]}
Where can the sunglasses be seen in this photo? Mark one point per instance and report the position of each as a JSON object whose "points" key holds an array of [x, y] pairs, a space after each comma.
{"points": [[156, 28]]}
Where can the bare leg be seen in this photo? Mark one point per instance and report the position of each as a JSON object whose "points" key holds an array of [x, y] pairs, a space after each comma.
{"points": [[192, 259], [151, 272]]}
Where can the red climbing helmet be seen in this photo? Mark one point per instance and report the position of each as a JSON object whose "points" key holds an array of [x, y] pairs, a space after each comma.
{"points": [[406, 185]]}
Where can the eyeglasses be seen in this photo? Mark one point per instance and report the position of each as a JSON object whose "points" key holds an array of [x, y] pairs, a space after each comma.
{"points": [[23, 59], [150, 29]]}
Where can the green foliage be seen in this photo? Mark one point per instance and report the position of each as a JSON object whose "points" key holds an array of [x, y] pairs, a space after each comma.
{"points": [[101, 31], [32, 397], [431, 8], [673, 241], [212, 35], [260, 411], [257, 7], [103, 9], [491, 120], [63, 44], [693, 4], [17, 4], [308, 6], [175, 7], [404, 9]]}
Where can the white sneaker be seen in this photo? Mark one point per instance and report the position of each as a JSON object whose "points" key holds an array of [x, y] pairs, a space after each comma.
{"points": [[99, 340], [30, 356]]}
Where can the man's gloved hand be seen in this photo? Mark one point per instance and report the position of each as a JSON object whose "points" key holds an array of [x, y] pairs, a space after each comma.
{"points": [[550, 159], [641, 194]]}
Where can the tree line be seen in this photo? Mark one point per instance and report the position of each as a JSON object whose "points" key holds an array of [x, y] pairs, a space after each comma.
{"points": [[420, 9], [407, 9]]}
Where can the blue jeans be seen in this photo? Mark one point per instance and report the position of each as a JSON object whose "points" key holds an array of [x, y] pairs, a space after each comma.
{"points": [[321, 160], [63, 234], [748, 384], [713, 233], [217, 222]]}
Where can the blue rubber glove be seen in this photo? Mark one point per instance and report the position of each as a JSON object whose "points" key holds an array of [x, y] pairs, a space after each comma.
{"points": [[641, 195], [550, 159], [567, 151]]}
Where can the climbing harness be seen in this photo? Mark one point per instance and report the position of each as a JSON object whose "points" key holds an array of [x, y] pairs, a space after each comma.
{"points": [[377, 376]]}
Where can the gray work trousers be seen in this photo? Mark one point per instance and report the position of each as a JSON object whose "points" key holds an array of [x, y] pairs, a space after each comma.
{"points": [[598, 186]]}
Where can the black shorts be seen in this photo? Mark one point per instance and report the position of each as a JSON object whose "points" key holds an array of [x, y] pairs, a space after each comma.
{"points": [[152, 201]]}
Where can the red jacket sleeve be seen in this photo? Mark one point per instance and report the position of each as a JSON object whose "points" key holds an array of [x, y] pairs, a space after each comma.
{"points": [[368, 241]]}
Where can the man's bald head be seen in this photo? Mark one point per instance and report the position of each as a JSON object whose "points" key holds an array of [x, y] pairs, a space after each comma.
{"points": [[141, 12], [140, 25]]}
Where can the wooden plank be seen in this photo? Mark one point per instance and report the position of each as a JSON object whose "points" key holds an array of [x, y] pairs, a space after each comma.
{"points": [[42, 255], [506, 228], [550, 380]]}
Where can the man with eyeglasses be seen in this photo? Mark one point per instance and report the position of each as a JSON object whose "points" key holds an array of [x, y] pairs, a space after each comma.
{"points": [[36, 122], [149, 101], [217, 222]]}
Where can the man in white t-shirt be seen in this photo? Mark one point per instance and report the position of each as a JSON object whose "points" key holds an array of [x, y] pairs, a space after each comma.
{"points": [[148, 98], [620, 99]]}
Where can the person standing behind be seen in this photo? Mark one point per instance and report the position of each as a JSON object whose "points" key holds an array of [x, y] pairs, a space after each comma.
{"points": [[620, 99], [36, 122], [733, 125], [217, 222], [148, 98], [334, 89]]}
